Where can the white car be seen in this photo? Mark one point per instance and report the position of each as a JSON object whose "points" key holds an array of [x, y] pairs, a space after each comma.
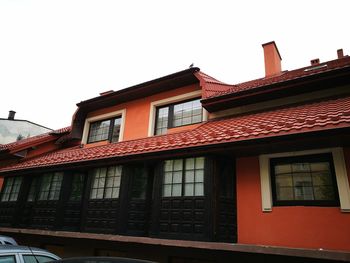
{"points": [[22, 254], [5, 240]]}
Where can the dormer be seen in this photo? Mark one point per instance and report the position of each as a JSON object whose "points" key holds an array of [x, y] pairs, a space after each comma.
{"points": [[156, 107]]}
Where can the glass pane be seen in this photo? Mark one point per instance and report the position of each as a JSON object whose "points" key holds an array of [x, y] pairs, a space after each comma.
{"points": [[168, 166], [200, 163], [300, 167], [7, 259], [186, 120], [199, 189], [115, 192], [190, 164], [176, 190], [321, 178], [99, 193], [324, 193], [167, 190], [285, 193], [189, 177], [108, 193], [199, 176], [139, 183], [177, 177], [284, 180], [189, 189], [283, 169], [302, 179], [93, 194], [178, 165], [304, 192], [116, 130], [167, 178]]}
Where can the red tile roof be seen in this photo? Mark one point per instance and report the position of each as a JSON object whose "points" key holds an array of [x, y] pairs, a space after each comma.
{"points": [[214, 88], [28, 142], [331, 114]]}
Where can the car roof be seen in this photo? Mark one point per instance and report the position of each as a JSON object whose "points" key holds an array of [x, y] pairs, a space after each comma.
{"points": [[13, 248]]}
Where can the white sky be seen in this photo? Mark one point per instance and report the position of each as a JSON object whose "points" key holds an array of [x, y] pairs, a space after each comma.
{"points": [[54, 54]]}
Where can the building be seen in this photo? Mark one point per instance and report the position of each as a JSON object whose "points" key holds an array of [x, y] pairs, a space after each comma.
{"points": [[186, 168], [12, 129]]}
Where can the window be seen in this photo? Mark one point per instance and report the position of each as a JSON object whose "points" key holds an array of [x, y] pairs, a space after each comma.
{"points": [[11, 189], [50, 187], [178, 114], [33, 189], [106, 182], [77, 187], [7, 259], [304, 180], [37, 259], [105, 130], [183, 177]]}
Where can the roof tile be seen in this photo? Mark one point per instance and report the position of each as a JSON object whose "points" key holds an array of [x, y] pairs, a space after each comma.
{"points": [[317, 116]]}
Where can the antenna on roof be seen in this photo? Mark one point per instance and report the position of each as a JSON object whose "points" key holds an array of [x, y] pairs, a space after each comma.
{"points": [[191, 66]]}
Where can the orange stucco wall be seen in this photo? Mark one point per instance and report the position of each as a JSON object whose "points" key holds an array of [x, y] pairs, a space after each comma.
{"points": [[137, 111], [293, 226]]}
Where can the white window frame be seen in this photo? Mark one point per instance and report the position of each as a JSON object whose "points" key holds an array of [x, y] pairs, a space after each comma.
{"points": [[88, 121], [171, 100], [340, 174]]}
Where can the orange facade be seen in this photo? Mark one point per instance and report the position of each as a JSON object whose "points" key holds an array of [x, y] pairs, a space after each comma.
{"points": [[138, 111], [289, 226]]}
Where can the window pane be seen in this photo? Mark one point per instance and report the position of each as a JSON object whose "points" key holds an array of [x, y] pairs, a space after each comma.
{"points": [[7, 189], [200, 163], [283, 169], [15, 189], [176, 190], [305, 180], [168, 166], [162, 120], [284, 180], [178, 165], [187, 113], [189, 178], [177, 177], [168, 178], [189, 191], [199, 176], [167, 190], [190, 164], [324, 192], [285, 193], [116, 129], [33, 189], [7, 259], [199, 189], [77, 187], [99, 131]]}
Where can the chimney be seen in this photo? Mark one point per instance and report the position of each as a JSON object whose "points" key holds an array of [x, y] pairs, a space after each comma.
{"points": [[315, 61], [340, 53], [11, 115], [272, 59]]}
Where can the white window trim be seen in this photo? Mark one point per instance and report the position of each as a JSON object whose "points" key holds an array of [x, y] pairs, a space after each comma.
{"points": [[171, 100], [88, 121], [340, 174]]}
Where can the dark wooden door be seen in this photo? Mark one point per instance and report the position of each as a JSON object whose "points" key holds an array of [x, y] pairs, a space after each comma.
{"points": [[137, 203]]}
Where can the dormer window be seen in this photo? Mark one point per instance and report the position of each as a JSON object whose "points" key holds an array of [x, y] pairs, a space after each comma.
{"points": [[178, 114], [105, 130]]}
